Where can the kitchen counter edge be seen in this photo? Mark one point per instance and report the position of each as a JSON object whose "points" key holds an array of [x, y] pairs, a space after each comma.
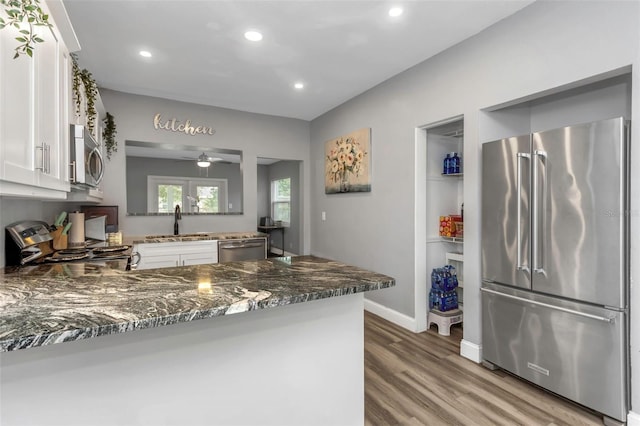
{"points": [[286, 281]]}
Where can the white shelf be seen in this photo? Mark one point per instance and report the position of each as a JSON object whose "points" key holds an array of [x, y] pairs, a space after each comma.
{"points": [[452, 174], [458, 257], [458, 240]]}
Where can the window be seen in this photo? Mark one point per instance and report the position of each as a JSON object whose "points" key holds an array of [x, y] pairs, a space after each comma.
{"points": [[281, 200], [168, 196], [193, 195], [208, 198]]}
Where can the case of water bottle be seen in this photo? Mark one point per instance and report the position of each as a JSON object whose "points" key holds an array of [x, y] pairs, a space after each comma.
{"points": [[444, 282], [452, 164]]}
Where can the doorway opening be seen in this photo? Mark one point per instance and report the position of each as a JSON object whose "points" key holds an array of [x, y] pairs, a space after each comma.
{"points": [[440, 227], [279, 205]]}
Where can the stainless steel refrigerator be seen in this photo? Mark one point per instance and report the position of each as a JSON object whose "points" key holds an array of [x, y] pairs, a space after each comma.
{"points": [[555, 256]]}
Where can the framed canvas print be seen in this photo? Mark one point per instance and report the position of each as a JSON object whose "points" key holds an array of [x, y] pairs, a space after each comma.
{"points": [[348, 163]]}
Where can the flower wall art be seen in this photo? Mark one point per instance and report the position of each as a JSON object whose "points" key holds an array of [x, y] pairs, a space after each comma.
{"points": [[348, 163]]}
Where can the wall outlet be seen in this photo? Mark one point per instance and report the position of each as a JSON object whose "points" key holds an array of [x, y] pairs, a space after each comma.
{"points": [[230, 206], [324, 216]]}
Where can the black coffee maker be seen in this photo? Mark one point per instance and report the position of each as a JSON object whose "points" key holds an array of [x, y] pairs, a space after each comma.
{"points": [[266, 221]]}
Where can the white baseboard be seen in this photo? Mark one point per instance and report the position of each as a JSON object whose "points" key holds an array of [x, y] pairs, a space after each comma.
{"points": [[633, 419], [395, 317], [278, 252], [471, 351]]}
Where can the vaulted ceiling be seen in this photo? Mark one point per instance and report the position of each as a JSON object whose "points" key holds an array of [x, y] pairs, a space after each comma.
{"points": [[336, 49]]}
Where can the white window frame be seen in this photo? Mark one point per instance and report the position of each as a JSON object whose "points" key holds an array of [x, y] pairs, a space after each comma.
{"points": [[188, 189], [274, 200]]}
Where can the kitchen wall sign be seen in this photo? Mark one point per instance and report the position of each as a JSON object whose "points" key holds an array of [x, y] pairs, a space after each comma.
{"points": [[348, 163], [175, 125]]}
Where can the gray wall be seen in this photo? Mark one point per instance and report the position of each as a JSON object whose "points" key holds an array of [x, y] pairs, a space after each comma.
{"points": [[138, 168], [543, 47], [255, 135]]}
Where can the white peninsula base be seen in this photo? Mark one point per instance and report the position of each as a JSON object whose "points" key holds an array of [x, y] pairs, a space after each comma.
{"points": [[300, 364]]}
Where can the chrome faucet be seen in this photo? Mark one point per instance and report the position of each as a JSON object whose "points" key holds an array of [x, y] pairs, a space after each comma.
{"points": [[177, 215]]}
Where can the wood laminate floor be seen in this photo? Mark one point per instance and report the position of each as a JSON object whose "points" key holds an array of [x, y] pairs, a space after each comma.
{"points": [[420, 379]]}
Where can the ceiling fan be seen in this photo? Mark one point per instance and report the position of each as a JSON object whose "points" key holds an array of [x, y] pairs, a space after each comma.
{"points": [[204, 160]]}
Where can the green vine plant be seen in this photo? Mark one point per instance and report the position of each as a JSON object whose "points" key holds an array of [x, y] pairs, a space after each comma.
{"points": [[109, 135], [18, 13], [76, 81], [91, 90], [84, 78]]}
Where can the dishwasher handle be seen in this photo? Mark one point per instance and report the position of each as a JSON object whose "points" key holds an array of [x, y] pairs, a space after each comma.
{"points": [[239, 246]]}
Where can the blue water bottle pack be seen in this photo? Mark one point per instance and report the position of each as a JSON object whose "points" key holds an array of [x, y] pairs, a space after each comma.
{"points": [[444, 282]]}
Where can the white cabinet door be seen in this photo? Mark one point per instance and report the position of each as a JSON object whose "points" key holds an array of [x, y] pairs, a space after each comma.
{"points": [[50, 87], [158, 261], [165, 255], [17, 148], [198, 258], [34, 146]]}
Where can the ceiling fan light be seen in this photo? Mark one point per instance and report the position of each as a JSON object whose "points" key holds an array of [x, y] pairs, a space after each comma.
{"points": [[203, 161]]}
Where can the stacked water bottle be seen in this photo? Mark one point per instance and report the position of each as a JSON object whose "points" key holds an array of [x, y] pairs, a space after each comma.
{"points": [[444, 282], [451, 164]]}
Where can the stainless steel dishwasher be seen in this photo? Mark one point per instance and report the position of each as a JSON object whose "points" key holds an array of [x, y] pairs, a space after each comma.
{"points": [[245, 249]]}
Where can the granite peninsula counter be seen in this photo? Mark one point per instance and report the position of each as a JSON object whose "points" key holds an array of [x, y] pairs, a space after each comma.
{"points": [[277, 365], [65, 302]]}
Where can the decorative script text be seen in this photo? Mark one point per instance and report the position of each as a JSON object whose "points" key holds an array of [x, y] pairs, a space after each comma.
{"points": [[174, 125]]}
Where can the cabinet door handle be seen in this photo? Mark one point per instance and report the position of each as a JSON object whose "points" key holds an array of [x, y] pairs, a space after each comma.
{"points": [[72, 178], [42, 167], [47, 152]]}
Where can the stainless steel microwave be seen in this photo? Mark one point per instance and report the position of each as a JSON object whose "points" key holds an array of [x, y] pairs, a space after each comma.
{"points": [[87, 164]]}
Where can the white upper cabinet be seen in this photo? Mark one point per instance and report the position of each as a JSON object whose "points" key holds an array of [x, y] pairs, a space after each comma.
{"points": [[17, 103], [51, 133], [34, 99]]}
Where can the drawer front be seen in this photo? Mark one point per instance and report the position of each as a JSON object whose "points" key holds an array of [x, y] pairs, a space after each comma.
{"points": [[571, 349]]}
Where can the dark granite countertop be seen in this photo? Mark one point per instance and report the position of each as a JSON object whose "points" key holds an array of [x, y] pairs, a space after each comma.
{"points": [[198, 236], [47, 304]]}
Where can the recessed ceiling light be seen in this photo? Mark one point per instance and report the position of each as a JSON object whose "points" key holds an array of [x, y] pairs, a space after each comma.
{"points": [[395, 11], [299, 86], [145, 54], [253, 35]]}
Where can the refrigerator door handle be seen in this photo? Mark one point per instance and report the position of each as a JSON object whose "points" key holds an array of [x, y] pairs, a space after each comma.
{"points": [[519, 265], [537, 267], [546, 305]]}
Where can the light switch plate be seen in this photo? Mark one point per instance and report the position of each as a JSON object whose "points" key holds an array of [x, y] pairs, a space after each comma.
{"points": [[324, 216]]}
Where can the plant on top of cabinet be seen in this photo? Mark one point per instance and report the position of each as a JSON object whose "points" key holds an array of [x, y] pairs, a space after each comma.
{"points": [[84, 78], [91, 90], [109, 135], [19, 11], [77, 81]]}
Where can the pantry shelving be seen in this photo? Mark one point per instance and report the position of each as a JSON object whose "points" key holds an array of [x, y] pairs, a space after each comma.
{"points": [[444, 195]]}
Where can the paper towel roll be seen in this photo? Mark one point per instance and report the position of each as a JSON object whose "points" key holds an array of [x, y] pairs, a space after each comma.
{"points": [[76, 233]]}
